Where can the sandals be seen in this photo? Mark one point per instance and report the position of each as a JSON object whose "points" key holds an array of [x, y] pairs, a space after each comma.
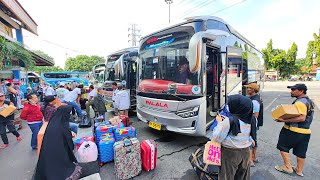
{"points": [[280, 169], [4, 146], [295, 171]]}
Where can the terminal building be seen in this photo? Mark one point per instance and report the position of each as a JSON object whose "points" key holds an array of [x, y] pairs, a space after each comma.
{"points": [[14, 18]]}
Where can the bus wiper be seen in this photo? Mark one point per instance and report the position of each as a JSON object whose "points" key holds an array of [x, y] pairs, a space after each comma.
{"points": [[183, 99]]}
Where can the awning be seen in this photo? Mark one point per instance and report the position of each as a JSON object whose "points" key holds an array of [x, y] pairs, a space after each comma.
{"points": [[39, 61]]}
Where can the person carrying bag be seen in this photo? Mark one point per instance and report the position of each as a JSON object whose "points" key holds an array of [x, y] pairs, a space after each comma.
{"points": [[236, 134]]}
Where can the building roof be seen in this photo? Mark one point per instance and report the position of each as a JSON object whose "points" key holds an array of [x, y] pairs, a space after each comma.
{"points": [[14, 9]]}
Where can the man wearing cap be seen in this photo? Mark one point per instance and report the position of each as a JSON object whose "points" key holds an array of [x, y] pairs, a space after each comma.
{"points": [[29, 91], [296, 132], [253, 92]]}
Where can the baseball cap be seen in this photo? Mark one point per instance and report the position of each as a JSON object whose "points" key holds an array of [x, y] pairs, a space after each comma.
{"points": [[253, 86], [62, 83], [300, 86], [28, 88]]}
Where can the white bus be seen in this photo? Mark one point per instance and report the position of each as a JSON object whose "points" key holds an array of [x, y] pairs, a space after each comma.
{"points": [[121, 66], [186, 72]]}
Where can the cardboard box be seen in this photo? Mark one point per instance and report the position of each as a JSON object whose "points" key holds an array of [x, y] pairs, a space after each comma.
{"points": [[285, 111], [40, 135], [7, 111]]}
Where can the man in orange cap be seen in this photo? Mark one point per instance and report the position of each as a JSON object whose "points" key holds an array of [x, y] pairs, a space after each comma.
{"points": [[253, 92]]}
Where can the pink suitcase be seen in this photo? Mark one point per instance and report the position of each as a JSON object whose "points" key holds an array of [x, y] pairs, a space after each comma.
{"points": [[148, 155]]}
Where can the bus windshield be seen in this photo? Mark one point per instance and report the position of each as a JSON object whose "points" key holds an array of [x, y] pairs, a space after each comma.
{"points": [[164, 64]]}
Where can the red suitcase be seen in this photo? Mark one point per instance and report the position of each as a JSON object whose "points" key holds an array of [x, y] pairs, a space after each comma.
{"points": [[149, 155], [125, 120]]}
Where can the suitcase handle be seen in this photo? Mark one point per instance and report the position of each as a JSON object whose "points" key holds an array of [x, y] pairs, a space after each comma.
{"points": [[126, 141]]}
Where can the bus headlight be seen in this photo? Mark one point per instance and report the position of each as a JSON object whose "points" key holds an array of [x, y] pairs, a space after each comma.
{"points": [[186, 113]]}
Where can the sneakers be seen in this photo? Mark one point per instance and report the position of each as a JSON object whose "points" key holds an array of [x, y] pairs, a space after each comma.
{"points": [[4, 146]]}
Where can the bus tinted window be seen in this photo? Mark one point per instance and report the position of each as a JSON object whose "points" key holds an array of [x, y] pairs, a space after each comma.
{"points": [[212, 24]]}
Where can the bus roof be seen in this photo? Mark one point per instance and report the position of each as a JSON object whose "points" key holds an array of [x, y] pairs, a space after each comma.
{"points": [[205, 18], [66, 72]]}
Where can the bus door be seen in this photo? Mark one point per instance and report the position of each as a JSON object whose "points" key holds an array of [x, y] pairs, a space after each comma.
{"points": [[234, 72], [213, 71]]}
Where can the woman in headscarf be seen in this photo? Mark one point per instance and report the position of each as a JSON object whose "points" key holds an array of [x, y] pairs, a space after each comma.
{"points": [[236, 134], [56, 160]]}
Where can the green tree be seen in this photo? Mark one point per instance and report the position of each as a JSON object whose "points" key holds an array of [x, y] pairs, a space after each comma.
{"points": [[291, 58], [12, 51], [313, 51], [83, 63], [268, 54]]}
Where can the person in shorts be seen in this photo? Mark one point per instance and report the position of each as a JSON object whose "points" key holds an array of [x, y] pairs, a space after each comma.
{"points": [[296, 131]]}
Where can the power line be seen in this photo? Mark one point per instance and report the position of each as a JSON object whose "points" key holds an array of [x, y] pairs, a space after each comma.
{"points": [[229, 7], [197, 7], [44, 40]]}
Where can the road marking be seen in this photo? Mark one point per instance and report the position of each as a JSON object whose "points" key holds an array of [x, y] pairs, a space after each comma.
{"points": [[271, 103]]}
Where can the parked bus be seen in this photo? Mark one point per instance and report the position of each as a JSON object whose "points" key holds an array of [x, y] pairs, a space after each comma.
{"points": [[98, 74], [186, 72], [123, 69], [53, 78]]}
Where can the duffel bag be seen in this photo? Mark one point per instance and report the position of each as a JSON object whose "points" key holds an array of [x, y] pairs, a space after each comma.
{"points": [[203, 171], [89, 168]]}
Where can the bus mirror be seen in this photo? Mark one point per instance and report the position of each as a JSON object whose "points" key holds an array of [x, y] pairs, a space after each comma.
{"points": [[194, 52], [234, 56]]}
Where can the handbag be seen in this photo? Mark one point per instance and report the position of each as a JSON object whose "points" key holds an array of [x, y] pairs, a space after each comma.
{"points": [[212, 153], [203, 171]]}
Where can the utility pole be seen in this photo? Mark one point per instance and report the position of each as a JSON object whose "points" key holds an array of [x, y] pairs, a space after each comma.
{"points": [[134, 32], [169, 2]]}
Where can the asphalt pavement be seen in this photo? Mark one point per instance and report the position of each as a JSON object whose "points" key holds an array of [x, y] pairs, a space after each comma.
{"points": [[18, 160]]}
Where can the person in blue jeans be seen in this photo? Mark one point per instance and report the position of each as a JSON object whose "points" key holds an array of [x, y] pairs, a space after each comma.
{"points": [[31, 112], [73, 98]]}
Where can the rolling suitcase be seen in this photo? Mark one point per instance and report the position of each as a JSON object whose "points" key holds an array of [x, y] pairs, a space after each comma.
{"points": [[121, 133], [106, 149], [148, 155], [85, 121], [102, 130], [127, 158]]}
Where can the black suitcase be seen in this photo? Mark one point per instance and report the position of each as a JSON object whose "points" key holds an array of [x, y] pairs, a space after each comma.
{"points": [[203, 171], [89, 168], [85, 122]]}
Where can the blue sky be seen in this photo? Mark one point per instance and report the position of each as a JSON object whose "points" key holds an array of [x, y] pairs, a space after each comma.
{"points": [[99, 27]]}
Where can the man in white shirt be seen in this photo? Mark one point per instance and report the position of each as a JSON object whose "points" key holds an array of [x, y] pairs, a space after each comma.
{"points": [[89, 103], [73, 99], [48, 90], [62, 91], [114, 94]]}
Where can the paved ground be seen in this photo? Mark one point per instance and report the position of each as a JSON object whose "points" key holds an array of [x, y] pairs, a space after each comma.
{"points": [[18, 161]]}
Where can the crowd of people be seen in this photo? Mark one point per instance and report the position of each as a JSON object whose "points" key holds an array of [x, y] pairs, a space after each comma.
{"points": [[236, 132]]}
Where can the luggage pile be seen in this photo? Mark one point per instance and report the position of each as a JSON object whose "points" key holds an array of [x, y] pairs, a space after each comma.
{"points": [[116, 141]]}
